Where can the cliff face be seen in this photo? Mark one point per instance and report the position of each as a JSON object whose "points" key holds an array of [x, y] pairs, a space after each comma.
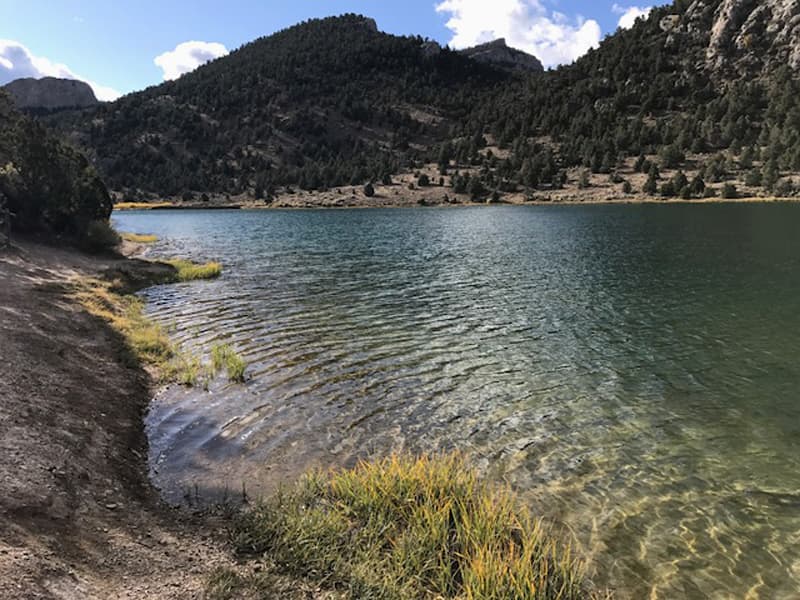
{"points": [[51, 93], [747, 36], [499, 54]]}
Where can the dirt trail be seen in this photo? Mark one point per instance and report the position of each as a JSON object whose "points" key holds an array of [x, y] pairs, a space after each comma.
{"points": [[78, 518]]}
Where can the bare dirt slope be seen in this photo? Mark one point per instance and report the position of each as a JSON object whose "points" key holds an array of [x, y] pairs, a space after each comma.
{"points": [[77, 516]]}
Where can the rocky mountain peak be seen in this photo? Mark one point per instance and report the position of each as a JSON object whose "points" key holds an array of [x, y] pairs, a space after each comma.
{"points": [[499, 54], [51, 93]]}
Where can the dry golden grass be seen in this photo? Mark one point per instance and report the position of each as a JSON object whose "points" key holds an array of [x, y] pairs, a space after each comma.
{"points": [[138, 238], [410, 528]]}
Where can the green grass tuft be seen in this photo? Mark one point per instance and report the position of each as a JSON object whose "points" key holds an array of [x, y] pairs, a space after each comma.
{"points": [[189, 271], [223, 356], [408, 528]]}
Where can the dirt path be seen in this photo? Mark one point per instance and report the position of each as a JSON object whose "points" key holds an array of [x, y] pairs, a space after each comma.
{"points": [[78, 518]]}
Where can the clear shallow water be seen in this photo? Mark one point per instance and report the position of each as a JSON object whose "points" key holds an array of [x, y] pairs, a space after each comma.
{"points": [[632, 370]]}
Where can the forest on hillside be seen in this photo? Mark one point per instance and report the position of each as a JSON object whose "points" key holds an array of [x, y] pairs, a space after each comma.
{"points": [[335, 102]]}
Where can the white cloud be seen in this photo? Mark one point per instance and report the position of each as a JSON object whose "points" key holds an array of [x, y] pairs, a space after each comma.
{"points": [[187, 57], [551, 36], [629, 14], [17, 61]]}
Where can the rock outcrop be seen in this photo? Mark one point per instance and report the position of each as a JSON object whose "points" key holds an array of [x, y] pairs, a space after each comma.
{"points": [[747, 36], [51, 93], [499, 54]]}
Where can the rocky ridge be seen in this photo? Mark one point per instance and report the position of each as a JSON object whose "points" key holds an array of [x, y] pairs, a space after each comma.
{"points": [[51, 93], [499, 54], [746, 36]]}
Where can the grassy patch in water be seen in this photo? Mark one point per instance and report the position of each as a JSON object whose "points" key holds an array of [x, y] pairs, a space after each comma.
{"points": [[409, 528], [188, 271], [223, 356], [139, 238]]}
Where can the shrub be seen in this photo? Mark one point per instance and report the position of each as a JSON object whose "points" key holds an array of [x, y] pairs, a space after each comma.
{"points": [[668, 190], [100, 236], [423, 180], [729, 191], [583, 179], [784, 188], [753, 178], [409, 528], [369, 190], [627, 188]]}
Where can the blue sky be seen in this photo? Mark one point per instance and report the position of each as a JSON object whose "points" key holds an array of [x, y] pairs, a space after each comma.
{"points": [[114, 44]]}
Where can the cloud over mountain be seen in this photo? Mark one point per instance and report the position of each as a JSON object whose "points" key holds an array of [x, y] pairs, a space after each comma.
{"points": [[629, 14], [549, 35], [17, 61], [187, 57]]}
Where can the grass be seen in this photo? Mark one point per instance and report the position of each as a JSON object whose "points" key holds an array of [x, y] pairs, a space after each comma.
{"points": [[141, 205], [408, 528], [189, 271], [138, 238], [147, 342], [223, 356]]}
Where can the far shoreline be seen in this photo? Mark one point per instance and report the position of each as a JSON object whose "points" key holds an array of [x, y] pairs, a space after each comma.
{"points": [[253, 206]]}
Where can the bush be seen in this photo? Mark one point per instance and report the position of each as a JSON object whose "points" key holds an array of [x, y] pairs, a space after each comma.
{"points": [[100, 236], [583, 179], [753, 178], [423, 180], [627, 188], [369, 190], [784, 188], [50, 186], [729, 191], [668, 190]]}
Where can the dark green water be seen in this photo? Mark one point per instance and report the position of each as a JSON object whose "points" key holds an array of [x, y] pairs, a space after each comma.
{"points": [[632, 370]]}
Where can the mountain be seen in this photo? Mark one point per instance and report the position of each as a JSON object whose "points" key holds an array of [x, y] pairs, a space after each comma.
{"points": [[699, 98], [324, 103], [50, 93], [47, 185], [499, 54]]}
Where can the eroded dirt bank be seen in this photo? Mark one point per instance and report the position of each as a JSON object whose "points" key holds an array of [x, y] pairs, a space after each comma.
{"points": [[78, 518]]}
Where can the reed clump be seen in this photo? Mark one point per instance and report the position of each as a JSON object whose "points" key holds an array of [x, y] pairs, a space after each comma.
{"points": [[224, 357], [410, 528]]}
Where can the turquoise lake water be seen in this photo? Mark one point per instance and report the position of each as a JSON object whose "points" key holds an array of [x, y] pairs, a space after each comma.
{"points": [[631, 370]]}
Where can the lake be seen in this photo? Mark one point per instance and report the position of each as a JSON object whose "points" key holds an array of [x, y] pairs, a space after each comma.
{"points": [[631, 370]]}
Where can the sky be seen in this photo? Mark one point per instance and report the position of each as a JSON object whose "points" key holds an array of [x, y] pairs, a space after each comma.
{"points": [[120, 46]]}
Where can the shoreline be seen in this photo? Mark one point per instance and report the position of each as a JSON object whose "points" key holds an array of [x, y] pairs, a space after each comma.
{"points": [[179, 206], [79, 516]]}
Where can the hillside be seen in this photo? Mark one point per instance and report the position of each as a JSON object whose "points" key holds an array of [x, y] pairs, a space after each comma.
{"points": [[47, 184], [324, 103], [699, 99]]}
